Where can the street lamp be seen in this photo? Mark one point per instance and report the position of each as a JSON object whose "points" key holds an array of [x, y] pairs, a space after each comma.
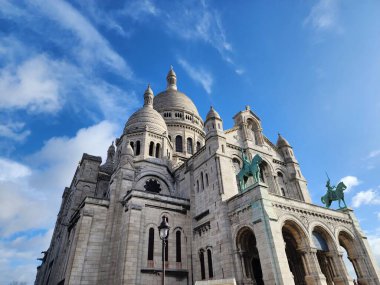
{"points": [[163, 229]]}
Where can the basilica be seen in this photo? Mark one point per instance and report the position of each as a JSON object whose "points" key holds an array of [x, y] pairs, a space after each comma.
{"points": [[171, 167]]}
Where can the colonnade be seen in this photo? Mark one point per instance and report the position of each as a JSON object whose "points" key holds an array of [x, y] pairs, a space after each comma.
{"points": [[315, 260]]}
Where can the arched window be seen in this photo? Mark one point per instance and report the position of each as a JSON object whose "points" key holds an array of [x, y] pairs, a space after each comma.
{"points": [[158, 150], [151, 244], [207, 180], [151, 148], [202, 261], [236, 164], [281, 183], [209, 259], [137, 148], [178, 246], [197, 185], [189, 145], [198, 146], [178, 144], [132, 145], [202, 182]]}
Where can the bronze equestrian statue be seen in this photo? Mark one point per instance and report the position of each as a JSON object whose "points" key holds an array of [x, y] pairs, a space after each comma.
{"points": [[333, 194], [249, 169]]}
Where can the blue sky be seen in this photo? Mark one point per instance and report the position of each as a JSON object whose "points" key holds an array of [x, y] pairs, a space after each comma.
{"points": [[71, 73]]}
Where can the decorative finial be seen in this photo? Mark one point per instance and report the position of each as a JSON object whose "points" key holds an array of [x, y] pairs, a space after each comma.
{"points": [[171, 79], [148, 97], [248, 107]]}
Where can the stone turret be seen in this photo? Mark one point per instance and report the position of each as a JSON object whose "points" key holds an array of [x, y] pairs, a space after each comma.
{"points": [[294, 169]]}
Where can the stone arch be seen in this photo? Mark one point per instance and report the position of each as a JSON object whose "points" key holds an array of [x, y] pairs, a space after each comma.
{"points": [[254, 128], [166, 187], [249, 255], [331, 241], [282, 180], [298, 229], [267, 175], [236, 163], [296, 241], [324, 243], [347, 240]]}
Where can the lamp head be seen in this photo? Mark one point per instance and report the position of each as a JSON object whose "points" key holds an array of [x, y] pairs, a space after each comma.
{"points": [[163, 229]]}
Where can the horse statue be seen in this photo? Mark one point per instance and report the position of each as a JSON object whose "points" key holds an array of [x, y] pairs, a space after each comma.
{"points": [[334, 194], [249, 169]]}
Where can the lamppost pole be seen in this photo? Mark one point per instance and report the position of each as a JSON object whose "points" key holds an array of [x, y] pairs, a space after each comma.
{"points": [[163, 261], [163, 230]]}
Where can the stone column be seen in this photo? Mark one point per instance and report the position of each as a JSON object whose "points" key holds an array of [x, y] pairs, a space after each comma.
{"points": [[314, 275], [340, 272], [268, 233]]}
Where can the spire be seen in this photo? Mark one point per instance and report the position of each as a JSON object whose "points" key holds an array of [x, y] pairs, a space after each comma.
{"points": [[110, 153], [171, 79], [148, 97], [281, 141]]}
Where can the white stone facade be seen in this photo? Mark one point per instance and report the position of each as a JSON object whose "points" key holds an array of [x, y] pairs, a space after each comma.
{"points": [[170, 164]]}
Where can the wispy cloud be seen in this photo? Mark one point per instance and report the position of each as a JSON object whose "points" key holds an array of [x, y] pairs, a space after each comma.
{"points": [[367, 197], [14, 131], [140, 10], [198, 74], [350, 182], [199, 22], [92, 44], [81, 38], [373, 154], [323, 15]]}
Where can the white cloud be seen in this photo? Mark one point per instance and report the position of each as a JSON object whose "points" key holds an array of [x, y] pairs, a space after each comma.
{"points": [[12, 170], [31, 85], [374, 242], [374, 153], [368, 197], [31, 194], [350, 182], [16, 256], [198, 74], [323, 15], [14, 131], [41, 84], [35, 190]]}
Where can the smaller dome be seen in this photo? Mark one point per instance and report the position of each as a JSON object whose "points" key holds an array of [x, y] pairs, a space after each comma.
{"points": [[146, 118], [282, 142], [212, 114]]}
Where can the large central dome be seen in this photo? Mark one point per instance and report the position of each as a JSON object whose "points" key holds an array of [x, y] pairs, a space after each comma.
{"points": [[174, 100]]}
